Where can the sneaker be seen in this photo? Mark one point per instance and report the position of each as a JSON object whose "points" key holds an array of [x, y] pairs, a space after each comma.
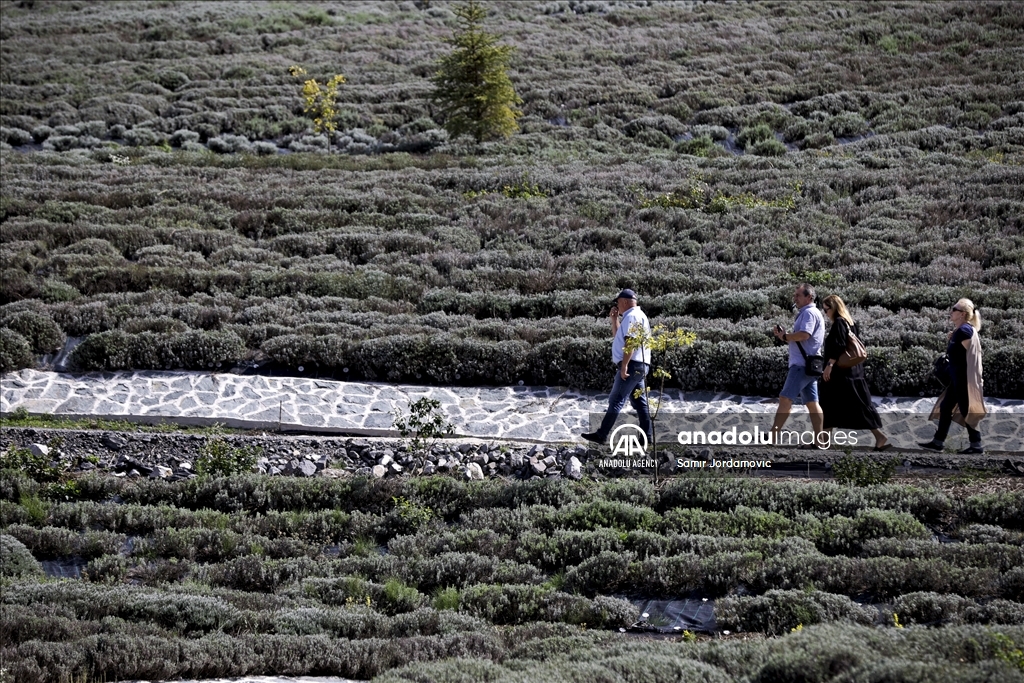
{"points": [[593, 437], [931, 445], [972, 450]]}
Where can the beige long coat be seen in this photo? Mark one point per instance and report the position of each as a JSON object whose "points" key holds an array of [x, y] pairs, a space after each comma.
{"points": [[976, 401]]}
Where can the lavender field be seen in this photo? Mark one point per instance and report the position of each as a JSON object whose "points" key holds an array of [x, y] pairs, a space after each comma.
{"points": [[164, 196], [166, 204]]}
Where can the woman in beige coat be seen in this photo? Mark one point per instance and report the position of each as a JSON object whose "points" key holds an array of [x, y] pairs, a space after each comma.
{"points": [[964, 392]]}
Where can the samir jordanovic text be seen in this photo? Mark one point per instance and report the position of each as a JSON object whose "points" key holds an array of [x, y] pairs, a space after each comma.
{"points": [[757, 437]]}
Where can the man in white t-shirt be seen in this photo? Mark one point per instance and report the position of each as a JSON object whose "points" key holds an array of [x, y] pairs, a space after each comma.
{"points": [[631, 369]]}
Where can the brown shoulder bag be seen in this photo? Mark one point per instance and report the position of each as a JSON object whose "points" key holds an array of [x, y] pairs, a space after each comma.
{"points": [[855, 353]]}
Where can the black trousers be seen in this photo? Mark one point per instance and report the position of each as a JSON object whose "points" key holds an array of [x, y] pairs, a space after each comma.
{"points": [[956, 397]]}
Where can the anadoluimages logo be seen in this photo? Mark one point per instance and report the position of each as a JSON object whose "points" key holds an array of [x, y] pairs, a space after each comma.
{"points": [[628, 441]]}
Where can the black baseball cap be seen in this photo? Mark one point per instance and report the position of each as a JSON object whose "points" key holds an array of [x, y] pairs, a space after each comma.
{"points": [[626, 294]]}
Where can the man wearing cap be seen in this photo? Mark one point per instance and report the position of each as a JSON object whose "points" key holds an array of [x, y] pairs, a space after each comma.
{"points": [[631, 368]]}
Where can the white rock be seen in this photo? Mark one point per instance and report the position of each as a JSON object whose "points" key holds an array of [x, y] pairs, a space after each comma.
{"points": [[39, 449], [473, 471], [573, 468], [385, 460], [379, 471], [161, 472]]}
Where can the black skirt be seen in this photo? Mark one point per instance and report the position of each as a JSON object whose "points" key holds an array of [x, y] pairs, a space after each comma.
{"points": [[846, 400]]}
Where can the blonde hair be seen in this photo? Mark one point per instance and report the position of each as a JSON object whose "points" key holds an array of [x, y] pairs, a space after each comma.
{"points": [[971, 314], [836, 304]]}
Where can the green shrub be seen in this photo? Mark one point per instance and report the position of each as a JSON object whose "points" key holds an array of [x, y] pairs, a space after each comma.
{"points": [[216, 545], [398, 597], [51, 542], [108, 569], [779, 611], [195, 349], [218, 458], [1002, 557], [933, 608], [1004, 508], [769, 148], [743, 521], [640, 492], [722, 494], [15, 351], [844, 534], [666, 576], [815, 659], [605, 572], [610, 514], [15, 559], [700, 146], [255, 574], [42, 468], [1011, 584], [888, 577], [517, 604], [749, 137], [446, 599], [42, 334], [562, 548], [990, 533], [850, 470]]}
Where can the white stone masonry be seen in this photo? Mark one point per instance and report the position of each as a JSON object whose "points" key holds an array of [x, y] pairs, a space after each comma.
{"points": [[544, 414]]}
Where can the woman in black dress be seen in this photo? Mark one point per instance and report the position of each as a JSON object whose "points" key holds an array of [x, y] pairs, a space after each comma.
{"points": [[844, 395]]}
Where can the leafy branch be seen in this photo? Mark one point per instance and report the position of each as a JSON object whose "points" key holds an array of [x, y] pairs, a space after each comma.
{"points": [[425, 422], [658, 340]]}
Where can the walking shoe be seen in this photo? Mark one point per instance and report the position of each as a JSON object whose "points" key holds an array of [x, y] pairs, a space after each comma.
{"points": [[972, 450], [931, 445], [593, 437]]}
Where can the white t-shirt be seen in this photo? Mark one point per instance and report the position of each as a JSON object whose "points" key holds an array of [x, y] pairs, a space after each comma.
{"points": [[633, 316]]}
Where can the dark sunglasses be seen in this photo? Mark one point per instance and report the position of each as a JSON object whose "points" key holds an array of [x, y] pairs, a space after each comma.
{"points": [[959, 310]]}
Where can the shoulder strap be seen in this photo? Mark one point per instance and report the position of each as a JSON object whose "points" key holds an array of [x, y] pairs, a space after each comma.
{"points": [[800, 345]]}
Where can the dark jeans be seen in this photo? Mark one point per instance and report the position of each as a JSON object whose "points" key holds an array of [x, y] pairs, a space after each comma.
{"points": [[624, 390], [956, 397]]}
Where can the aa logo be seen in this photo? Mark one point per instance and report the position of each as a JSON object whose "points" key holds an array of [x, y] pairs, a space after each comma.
{"points": [[628, 441]]}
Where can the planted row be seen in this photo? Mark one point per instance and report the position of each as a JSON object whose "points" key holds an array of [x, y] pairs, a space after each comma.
{"points": [[606, 572], [778, 612], [451, 358], [149, 502]]}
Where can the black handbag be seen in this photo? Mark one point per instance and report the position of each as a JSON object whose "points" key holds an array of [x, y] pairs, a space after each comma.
{"points": [[941, 369], [814, 366]]}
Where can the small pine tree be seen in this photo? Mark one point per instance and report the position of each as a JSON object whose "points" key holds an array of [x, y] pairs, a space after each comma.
{"points": [[471, 85]]}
